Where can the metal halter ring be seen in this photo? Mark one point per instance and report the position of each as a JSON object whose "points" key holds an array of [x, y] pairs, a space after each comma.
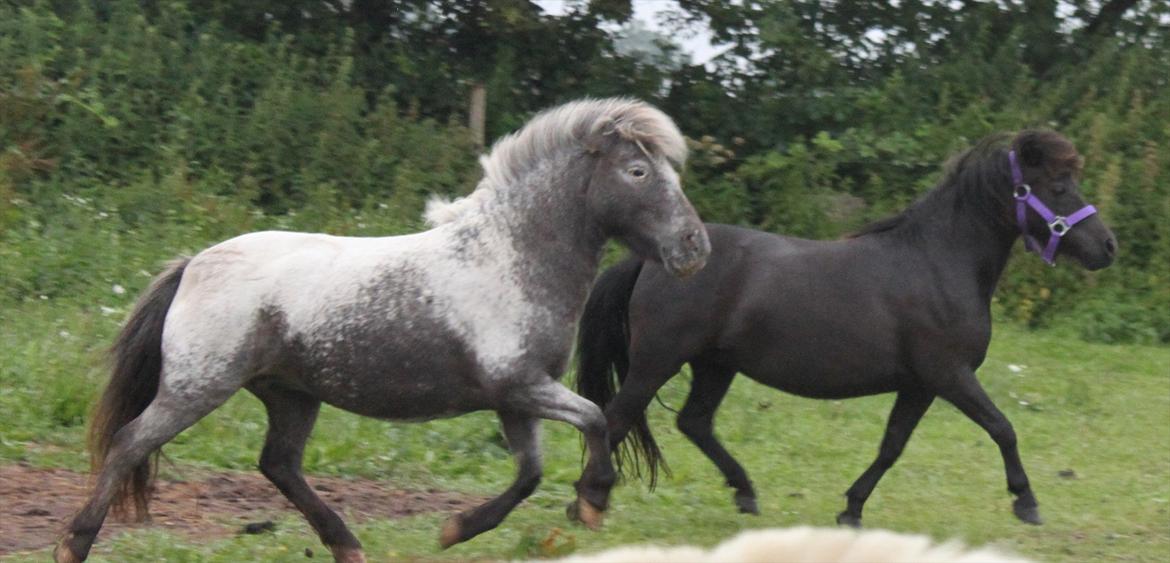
{"points": [[1022, 191], [1058, 226]]}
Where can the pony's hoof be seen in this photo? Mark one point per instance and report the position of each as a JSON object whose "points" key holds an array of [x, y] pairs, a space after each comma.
{"points": [[452, 532], [62, 554], [747, 504], [1029, 514], [348, 554], [585, 513], [846, 519]]}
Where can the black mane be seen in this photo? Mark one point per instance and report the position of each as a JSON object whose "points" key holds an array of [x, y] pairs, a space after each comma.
{"points": [[970, 180]]}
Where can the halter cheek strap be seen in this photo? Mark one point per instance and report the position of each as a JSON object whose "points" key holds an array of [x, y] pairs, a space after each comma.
{"points": [[1058, 226]]}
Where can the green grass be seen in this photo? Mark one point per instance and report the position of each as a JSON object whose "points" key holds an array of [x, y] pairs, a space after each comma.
{"points": [[1101, 411]]}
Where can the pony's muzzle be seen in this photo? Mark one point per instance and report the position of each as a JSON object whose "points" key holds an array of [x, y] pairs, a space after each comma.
{"points": [[1111, 247], [688, 254], [1104, 258]]}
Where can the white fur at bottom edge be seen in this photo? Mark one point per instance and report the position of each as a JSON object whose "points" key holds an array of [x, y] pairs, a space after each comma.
{"points": [[807, 545]]}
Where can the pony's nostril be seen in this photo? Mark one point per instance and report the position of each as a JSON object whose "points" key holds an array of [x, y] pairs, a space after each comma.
{"points": [[1110, 246]]}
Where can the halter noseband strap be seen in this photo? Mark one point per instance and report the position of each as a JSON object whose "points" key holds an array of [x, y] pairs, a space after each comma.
{"points": [[1057, 226]]}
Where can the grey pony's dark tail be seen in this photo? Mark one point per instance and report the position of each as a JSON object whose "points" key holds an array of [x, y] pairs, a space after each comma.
{"points": [[136, 362], [603, 360]]}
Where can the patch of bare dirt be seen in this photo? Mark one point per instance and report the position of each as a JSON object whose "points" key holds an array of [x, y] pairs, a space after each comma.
{"points": [[35, 504]]}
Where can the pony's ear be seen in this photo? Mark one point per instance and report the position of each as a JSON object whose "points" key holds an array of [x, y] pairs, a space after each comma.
{"points": [[1031, 151], [596, 138], [1049, 149]]}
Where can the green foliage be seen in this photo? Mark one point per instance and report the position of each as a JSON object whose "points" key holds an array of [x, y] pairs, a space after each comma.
{"points": [[125, 99], [130, 132]]}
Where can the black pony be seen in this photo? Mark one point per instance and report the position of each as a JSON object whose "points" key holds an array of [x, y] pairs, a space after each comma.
{"points": [[902, 306]]}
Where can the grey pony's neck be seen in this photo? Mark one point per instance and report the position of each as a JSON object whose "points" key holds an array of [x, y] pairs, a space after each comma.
{"points": [[559, 247]]}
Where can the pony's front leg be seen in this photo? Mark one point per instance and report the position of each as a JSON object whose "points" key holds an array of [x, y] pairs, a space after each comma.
{"points": [[553, 401], [523, 435], [968, 395]]}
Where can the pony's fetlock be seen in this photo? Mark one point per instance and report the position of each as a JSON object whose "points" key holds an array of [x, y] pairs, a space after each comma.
{"points": [[596, 495], [746, 502], [348, 554], [847, 518], [586, 513], [452, 532], [63, 554], [72, 548]]}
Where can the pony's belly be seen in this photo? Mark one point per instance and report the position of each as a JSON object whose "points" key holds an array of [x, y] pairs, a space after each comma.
{"points": [[406, 403], [819, 356], [842, 387], [422, 375], [835, 376]]}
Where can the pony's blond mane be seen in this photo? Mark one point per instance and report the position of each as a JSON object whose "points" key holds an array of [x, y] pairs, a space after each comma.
{"points": [[554, 130]]}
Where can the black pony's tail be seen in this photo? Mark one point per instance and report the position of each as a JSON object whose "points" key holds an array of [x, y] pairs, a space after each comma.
{"points": [[136, 359], [603, 360]]}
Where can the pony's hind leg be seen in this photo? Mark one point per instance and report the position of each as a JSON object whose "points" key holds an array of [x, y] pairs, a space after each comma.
{"points": [[970, 398], [168, 414], [908, 410], [696, 420], [523, 434], [291, 415]]}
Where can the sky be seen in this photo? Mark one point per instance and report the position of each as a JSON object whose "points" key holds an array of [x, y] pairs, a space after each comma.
{"points": [[696, 43]]}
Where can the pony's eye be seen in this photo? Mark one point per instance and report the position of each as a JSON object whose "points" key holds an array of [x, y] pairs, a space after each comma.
{"points": [[637, 172]]}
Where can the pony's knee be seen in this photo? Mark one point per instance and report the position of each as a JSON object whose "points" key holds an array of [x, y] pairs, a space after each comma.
{"points": [[887, 455], [277, 463], [270, 468], [693, 427], [593, 422]]}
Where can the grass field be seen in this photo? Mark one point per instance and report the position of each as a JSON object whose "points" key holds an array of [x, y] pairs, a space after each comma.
{"points": [[1101, 411]]}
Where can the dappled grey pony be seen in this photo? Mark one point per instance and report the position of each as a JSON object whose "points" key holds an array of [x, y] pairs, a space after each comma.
{"points": [[477, 313], [903, 306]]}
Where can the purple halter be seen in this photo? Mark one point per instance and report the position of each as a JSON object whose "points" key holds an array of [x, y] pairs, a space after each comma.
{"points": [[1057, 225]]}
